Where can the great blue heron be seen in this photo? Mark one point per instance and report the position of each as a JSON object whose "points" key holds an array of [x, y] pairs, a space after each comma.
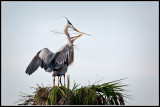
{"points": [[59, 73], [57, 62]]}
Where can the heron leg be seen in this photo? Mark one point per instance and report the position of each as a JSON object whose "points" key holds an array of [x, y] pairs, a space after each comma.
{"points": [[64, 81], [61, 74], [54, 75], [58, 81], [54, 81]]}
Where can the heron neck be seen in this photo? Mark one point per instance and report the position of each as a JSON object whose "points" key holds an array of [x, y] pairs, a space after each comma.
{"points": [[67, 34]]}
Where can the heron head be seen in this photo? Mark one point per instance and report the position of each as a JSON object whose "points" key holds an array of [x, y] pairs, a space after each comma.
{"points": [[70, 25]]}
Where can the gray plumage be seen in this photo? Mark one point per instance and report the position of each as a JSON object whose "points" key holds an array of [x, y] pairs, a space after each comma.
{"points": [[44, 57], [57, 62], [51, 61]]}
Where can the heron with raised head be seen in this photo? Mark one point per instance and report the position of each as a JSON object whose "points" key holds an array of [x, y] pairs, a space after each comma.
{"points": [[57, 62]]}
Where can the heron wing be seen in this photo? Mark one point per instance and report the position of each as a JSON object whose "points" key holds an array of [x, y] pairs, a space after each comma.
{"points": [[32, 67], [63, 56], [42, 59]]}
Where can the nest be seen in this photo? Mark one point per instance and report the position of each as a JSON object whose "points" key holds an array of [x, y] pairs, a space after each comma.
{"points": [[106, 94]]}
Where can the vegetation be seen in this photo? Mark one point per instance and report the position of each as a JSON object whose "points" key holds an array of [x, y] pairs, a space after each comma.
{"points": [[110, 93]]}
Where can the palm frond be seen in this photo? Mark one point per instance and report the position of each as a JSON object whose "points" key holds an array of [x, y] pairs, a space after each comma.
{"points": [[110, 93]]}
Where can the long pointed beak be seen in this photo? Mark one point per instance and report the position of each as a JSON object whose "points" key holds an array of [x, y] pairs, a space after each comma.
{"points": [[85, 33], [75, 37], [79, 35], [81, 32], [75, 29]]}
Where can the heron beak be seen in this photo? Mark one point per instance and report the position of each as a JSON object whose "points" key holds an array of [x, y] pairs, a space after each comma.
{"points": [[80, 32], [75, 29], [75, 37], [78, 36]]}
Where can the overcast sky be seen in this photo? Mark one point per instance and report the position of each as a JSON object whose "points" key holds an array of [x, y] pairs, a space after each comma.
{"points": [[124, 43]]}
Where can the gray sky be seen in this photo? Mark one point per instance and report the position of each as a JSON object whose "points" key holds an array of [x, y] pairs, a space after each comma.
{"points": [[124, 43]]}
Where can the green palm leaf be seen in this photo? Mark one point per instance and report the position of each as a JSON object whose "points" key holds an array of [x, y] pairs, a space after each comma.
{"points": [[110, 93]]}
